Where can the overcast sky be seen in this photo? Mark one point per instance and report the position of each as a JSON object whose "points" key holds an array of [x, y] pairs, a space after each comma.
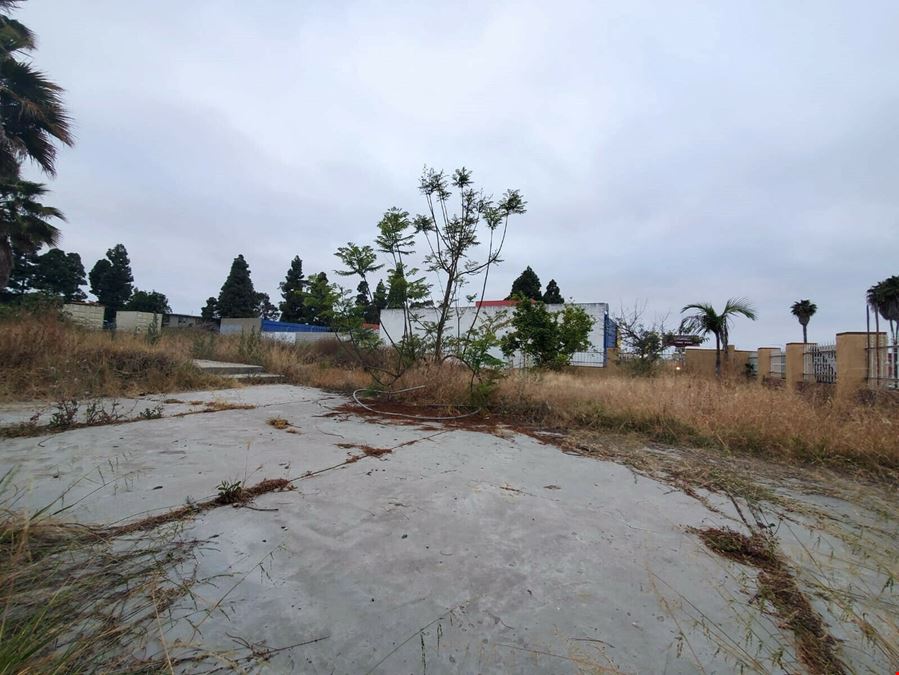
{"points": [[669, 152]]}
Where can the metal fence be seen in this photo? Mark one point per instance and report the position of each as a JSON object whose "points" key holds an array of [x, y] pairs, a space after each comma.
{"points": [[820, 364], [778, 365], [883, 366]]}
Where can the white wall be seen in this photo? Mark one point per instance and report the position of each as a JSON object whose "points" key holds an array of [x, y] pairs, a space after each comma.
{"points": [[461, 319], [89, 316], [238, 326], [137, 322]]}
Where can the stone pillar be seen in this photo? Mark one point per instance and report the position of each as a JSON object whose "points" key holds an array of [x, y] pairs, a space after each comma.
{"points": [[794, 365], [763, 365], [852, 359]]}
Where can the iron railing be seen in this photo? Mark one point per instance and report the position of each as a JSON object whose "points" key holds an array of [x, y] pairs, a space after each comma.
{"points": [[883, 366], [820, 364], [778, 365]]}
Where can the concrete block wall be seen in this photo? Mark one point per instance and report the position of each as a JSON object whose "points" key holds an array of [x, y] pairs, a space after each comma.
{"points": [[238, 326], [701, 361], [137, 322], [89, 316]]}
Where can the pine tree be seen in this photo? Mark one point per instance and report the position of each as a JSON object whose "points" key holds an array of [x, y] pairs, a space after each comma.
{"points": [[111, 280], [210, 311], [293, 291], [526, 285], [320, 300], [59, 273], [553, 295], [238, 299]]}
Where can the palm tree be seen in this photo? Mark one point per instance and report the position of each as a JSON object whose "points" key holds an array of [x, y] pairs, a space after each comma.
{"points": [[706, 320], [31, 110], [24, 222], [804, 310], [883, 297]]}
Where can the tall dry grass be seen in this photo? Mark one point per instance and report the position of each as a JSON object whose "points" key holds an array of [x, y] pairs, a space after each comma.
{"points": [[732, 416], [736, 416], [45, 357]]}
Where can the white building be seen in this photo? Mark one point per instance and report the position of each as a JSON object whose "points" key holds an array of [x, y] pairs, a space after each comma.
{"points": [[461, 319]]}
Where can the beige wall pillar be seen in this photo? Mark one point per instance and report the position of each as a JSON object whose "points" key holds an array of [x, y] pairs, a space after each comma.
{"points": [[794, 364], [763, 365], [852, 359]]}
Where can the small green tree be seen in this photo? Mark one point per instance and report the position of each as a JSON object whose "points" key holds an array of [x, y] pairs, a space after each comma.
{"points": [[238, 298], [148, 301], [553, 296], [110, 280], [293, 288], [527, 285], [549, 339], [59, 273]]}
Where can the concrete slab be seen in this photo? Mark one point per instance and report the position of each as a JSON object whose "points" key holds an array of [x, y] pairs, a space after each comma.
{"points": [[457, 552], [226, 368]]}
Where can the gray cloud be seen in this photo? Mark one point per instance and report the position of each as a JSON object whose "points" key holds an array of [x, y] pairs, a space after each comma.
{"points": [[669, 152]]}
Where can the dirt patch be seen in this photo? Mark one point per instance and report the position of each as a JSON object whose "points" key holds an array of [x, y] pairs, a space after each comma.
{"points": [[240, 496], [218, 406], [776, 583], [369, 450], [407, 413]]}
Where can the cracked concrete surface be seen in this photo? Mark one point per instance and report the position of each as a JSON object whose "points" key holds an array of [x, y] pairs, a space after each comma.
{"points": [[458, 552]]}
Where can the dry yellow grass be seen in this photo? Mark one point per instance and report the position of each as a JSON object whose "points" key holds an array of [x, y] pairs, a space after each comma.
{"points": [[44, 357], [736, 416]]}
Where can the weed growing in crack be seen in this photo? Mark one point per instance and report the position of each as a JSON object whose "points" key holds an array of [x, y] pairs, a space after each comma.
{"points": [[153, 413], [229, 492]]}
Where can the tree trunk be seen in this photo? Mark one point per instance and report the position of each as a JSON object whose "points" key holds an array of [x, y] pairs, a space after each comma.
{"points": [[717, 355], [6, 261], [804, 334]]}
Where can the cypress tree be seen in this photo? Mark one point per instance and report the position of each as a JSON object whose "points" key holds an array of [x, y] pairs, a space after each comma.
{"points": [[396, 293], [320, 300], [362, 294], [111, 278], [238, 299], [553, 295], [293, 291], [527, 285], [379, 302]]}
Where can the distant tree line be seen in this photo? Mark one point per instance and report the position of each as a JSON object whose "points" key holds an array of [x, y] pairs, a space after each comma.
{"points": [[57, 275]]}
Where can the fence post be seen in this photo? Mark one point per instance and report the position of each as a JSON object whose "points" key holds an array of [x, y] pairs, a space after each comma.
{"points": [[794, 366], [852, 360], [763, 365]]}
